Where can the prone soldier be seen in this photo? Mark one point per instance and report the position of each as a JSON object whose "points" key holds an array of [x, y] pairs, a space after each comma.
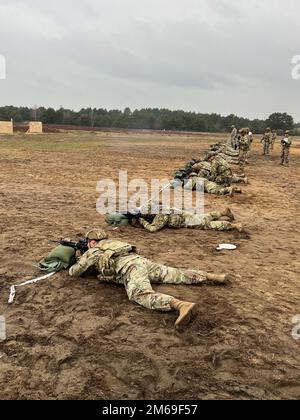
{"points": [[119, 263], [175, 219]]}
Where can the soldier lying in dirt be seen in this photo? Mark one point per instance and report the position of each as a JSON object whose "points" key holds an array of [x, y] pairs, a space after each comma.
{"points": [[119, 263], [175, 220]]}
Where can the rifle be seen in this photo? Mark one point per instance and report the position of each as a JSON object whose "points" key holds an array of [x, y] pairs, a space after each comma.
{"points": [[81, 245], [132, 216], [183, 174]]}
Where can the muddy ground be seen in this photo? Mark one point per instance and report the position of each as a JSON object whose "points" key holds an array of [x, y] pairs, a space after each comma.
{"points": [[78, 339]]}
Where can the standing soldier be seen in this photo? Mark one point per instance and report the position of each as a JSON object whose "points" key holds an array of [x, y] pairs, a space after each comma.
{"points": [[267, 141], [234, 134], [286, 143], [243, 147], [119, 263], [274, 137]]}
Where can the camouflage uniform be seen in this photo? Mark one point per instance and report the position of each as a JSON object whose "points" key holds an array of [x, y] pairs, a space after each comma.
{"points": [[209, 186], [244, 151], [274, 137], [234, 137], [286, 144], [209, 221], [221, 172], [136, 273], [225, 149], [231, 160], [267, 141], [204, 169]]}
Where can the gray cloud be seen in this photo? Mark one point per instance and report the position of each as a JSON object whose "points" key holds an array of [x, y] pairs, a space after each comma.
{"points": [[203, 55]]}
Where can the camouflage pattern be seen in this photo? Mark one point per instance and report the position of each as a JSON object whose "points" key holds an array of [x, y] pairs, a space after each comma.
{"points": [[96, 235], [221, 172], [209, 221], [234, 134], [213, 188], [267, 141], [286, 144], [223, 148], [136, 274], [202, 166], [229, 151], [203, 170], [174, 221], [142, 273], [244, 150], [209, 186]]}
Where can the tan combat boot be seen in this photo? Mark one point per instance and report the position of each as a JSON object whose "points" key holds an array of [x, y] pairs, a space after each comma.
{"points": [[185, 309], [228, 213], [238, 226], [218, 278], [238, 191]]}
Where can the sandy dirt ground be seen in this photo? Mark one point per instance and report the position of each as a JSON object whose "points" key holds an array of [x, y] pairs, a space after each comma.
{"points": [[78, 339]]}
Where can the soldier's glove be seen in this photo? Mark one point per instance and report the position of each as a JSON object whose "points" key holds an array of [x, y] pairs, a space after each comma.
{"points": [[105, 260], [78, 255]]}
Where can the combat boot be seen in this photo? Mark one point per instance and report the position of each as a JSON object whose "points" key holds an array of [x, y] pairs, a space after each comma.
{"points": [[228, 213], [218, 278], [238, 226], [238, 191], [185, 309], [231, 191]]}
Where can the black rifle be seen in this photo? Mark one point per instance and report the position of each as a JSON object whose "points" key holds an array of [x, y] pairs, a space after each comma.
{"points": [[132, 216], [81, 245]]}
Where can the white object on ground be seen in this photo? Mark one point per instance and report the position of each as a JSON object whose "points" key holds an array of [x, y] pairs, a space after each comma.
{"points": [[12, 295], [226, 247], [26, 283], [2, 328]]}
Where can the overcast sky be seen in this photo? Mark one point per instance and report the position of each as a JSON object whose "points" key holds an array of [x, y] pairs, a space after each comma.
{"points": [[224, 56]]}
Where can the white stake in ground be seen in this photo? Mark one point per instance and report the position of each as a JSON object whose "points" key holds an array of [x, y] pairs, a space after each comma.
{"points": [[26, 283]]}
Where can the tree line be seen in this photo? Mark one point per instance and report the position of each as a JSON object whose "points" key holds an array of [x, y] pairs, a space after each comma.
{"points": [[146, 118]]}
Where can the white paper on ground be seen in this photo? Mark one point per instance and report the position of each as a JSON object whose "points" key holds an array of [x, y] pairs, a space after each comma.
{"points": [[226, 247]]}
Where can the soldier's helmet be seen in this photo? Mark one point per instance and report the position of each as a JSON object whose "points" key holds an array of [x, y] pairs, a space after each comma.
{"points": [[96, 235], [117, 219], [268, 129], [287, 132]]}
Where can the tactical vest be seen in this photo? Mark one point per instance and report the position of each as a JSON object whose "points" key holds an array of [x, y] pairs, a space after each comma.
{"points": [[117, 247], [202, 165], [267, 138]]}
